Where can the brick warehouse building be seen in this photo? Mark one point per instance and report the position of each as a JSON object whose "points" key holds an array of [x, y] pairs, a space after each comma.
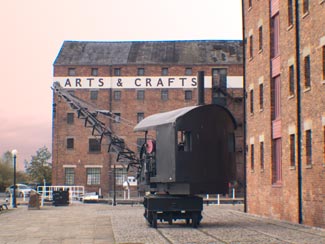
{"points": [[135, 80], [285, 85]]}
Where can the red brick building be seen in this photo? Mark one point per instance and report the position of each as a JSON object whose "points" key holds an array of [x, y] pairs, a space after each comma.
{"points": [[135, 80], [285, 109]]}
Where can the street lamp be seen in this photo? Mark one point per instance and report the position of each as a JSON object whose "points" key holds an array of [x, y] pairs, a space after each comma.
{"points": [[14, 154]]}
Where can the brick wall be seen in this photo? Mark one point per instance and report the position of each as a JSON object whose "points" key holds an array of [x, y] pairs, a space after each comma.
{"points": [[263, 196], [128, 106]]}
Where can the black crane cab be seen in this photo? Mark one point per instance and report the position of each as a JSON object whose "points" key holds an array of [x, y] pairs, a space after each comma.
{"points": [[193, 153]]}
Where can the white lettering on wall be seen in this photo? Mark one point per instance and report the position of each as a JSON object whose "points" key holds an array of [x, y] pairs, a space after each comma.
{"points": [[141, 82]]}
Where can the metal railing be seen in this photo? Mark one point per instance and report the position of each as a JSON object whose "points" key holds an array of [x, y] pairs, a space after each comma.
{"points": [[75, 192]]}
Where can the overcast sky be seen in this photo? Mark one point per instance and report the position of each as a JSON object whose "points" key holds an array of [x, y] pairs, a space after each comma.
{"points": [[32, 32]]}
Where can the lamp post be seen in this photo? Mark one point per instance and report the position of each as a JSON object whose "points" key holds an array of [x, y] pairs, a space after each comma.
{"points": [[14, 203]]}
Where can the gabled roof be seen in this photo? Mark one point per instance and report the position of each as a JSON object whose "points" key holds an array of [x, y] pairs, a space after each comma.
{"points": [[150, 52]]}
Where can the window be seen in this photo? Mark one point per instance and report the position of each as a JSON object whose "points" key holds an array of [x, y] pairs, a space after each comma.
{"points": [[94, 145], [70, 118], [292, 150], [323, 54], [251, 46], [117, 95], [261, 96], [188, 95], [117, 118], [140, 95], [290, 13], [308, 146], [117, 72], [93, 95], [305, 8], [276, 98], [291, 80], [70, 143], [120, 175], [260, 38], [307, 71], [188, 71], [93, 176], [94, 71], [252, 156], [140, 71], [164, 71], [140, 116], [69, 176], [164, 94], [275, 34], [262, 154], [276, 161], [71, 71], [251, 93], [184, 141]]}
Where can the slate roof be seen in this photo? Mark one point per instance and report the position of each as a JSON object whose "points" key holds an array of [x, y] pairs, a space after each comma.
{"points": [[150, 52]]}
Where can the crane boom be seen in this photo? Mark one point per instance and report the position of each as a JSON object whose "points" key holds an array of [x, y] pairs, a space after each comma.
{"points": [[89, 114]]}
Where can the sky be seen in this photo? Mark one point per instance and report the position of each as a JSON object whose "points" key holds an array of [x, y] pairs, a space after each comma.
{"points": [[32, 32]]}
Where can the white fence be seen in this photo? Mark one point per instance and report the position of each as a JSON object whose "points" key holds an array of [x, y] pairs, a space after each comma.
{"points": [[76, 193]]}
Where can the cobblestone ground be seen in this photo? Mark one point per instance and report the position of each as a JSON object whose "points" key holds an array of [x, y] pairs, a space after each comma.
{"points": [[124, 224], [220, 224]]}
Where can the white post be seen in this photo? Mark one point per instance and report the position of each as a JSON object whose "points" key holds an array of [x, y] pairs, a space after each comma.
{"points": [[218, 202], [233, 193], [128, 192], [43, 193], [208, 196]]}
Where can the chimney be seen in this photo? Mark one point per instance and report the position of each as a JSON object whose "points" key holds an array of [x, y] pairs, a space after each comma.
{"points": [[200, 88]]}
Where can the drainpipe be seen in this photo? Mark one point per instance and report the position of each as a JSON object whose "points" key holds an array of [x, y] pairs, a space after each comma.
{"points": [[299, 136], [244, 97]]}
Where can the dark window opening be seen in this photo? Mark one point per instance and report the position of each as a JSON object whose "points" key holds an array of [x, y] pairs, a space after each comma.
{"points": [[308, 147], [305, 7], [262, 154], [164, 94], [251, 92], [70, 143], [71, 71], [164, 71], [276, 161], [275, 35], [188, 95], [94, 145], [261, 86], [188, 71], [70, 118], [290, 13], [117, 72], [260, 38], [93, 95], [292, 80], [307, 71], [140, 95], [117, 95], [252, 157], [94, 71], [117, 118], [141, 71], [184, 141], [140, 116], [292, 150]]}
